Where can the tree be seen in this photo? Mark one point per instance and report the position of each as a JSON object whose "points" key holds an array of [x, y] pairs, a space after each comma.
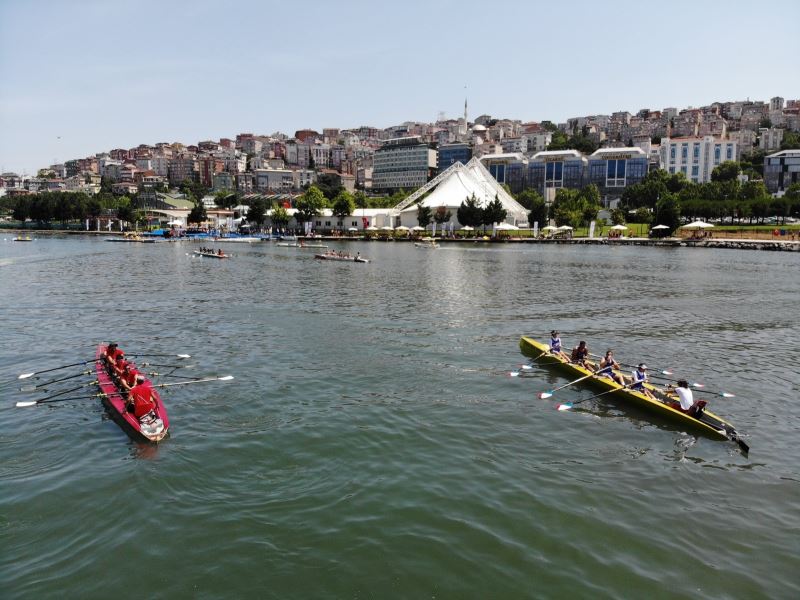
{"points": [[361, 200], [668, 212], [226, 200], [642, 215], [726, 171], [791, 140], [198, 214], [280, 217], [330, 184], [343, 204], [528, 198], [494, 212], [309, 204], [469, 213], [424, 215], [617, 216], [22, 209], [258, 212], [442, 215], [538, 211]]}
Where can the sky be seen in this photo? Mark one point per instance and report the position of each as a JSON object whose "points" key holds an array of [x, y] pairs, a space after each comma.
{"points": [[78, 77]]}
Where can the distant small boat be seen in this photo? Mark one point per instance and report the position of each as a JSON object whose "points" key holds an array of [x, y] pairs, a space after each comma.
{"points": [[427, 243], [357, 259], [210, 254], [134, 237], [300, 245], [23, 238]]}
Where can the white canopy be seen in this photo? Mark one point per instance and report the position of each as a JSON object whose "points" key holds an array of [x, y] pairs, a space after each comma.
{"points": [[352, 229], [619, 227], [175, 222], [401, 228], [661, 227], [565, 228], [506, 227], [417, 228], [372, 228], [467, 228], [697, 225], [387, 228], [549, 228]]}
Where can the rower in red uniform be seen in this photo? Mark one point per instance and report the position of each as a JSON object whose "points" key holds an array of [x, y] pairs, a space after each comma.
{"points": [[111, 354], [140, 398], [128, 376]]}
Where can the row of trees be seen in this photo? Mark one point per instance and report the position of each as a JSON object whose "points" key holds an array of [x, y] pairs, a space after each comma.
{"points": [[63, 207]]}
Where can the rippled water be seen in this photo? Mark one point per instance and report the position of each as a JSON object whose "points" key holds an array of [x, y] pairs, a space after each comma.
{"points": [[372, 444]]}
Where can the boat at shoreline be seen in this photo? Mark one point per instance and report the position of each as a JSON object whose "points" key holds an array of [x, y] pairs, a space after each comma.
{"points": [[149, 429], [707, 423], [22, 238], [134, 238]]}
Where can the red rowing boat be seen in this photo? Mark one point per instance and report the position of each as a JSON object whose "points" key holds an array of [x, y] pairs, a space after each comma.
{"points": [[150, 429]]}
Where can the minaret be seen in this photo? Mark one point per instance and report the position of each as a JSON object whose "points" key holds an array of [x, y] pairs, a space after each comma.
{"points": [[463, 126]]}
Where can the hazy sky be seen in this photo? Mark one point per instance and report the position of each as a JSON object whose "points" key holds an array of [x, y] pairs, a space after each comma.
{"points": [[79, 77]]}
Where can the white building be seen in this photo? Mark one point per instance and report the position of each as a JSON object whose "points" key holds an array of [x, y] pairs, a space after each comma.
{"points": [[770, 139], [696, 157], [275, 180], [402, 163], [538, 142]]}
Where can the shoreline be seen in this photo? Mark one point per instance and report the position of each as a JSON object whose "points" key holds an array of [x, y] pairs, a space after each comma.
{"points": [[728, 243]]}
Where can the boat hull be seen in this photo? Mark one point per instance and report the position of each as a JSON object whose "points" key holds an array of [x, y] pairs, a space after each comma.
{"points": [[341, 258], [114, 402], [712, 425], [210, 254]]}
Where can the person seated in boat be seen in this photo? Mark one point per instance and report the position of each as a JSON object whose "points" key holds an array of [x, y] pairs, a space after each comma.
{"points": [[128, 376], [580, 356], [111, 353], [686, 402], [638, 379], [141, 400], [607, 367], [219, 252], [555, 346]]}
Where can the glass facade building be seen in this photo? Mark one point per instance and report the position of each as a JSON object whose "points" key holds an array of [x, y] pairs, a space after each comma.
{"points": [[450, 154], [556, 169], [614, 168]]}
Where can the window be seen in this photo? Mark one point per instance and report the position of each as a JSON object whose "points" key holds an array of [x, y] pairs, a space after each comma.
{"points": [[695, 171], [615, 173], [554, 174], [729, 153], [717, 153], [672, 153], [696, 153], [684, 152]]}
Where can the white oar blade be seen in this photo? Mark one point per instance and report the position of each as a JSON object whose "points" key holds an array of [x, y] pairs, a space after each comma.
{"points": [[564, 406], [513, 374], [226, 378], [698, 385], [527, 367], [544, 395], [728, 395], [667, 373], [184, 356], [26, 375], [28, 388], [22, 404]]}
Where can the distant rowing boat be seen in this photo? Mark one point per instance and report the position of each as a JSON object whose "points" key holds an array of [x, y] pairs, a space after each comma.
{"points": [[300, 245], [426, 243], [210, 254], [134, 240], [341, 258], [25, 238]]}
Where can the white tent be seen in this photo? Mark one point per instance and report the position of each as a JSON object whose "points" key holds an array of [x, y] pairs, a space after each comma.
{"points": [[564, 228], [417, 228], [506, 227], [467, 228], [372, 228], [175, 222], [459, 182], [352, 229], [697, 225], [549, 228], [661, 227], [401, 228], [387, 228], [618, 227]]}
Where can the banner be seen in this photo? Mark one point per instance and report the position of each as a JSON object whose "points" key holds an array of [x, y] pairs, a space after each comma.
{"points": [[536, 229], [364, 222], [591, 229]]}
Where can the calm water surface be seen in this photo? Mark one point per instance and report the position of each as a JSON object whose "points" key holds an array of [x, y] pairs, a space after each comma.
{"points": [[372, 444]]}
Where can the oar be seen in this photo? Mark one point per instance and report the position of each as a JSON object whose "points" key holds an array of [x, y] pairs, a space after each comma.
{"points": [[31, 388], [101, 395], [527, 366], [148, 364], [27, 375], [545, 395], [698, 386], [155, 374], [170, 355], [665, 372], [568, 405]]}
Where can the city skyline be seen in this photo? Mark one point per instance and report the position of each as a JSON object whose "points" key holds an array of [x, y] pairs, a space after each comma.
{"points": [[94, 76]]}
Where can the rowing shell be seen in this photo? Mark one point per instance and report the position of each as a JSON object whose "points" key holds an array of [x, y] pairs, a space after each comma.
{"points": [[709, 423], [114, 402], [357, 259], [210, 254]]}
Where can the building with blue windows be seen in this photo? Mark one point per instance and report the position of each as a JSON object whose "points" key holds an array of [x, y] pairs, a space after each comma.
{"points": [[450, 154], [781, 170], [696, 157], [555, 169], [509, 169], [612, 169]]}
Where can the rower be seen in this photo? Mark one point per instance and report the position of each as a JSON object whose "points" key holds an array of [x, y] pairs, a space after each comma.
{"points": [[607, 367], [686, 400], [638, 379], [110, 354], [140, 398], [555, 346], [580, 354], [128, 376]]}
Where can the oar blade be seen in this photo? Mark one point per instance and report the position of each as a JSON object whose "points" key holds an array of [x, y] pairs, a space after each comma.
{"points": [[513, 373], [225, 378], [184, 355], [23, 404], [26, 375], [667, 372], [29, 388], [565, 406], [545, 395], [727, 395]]}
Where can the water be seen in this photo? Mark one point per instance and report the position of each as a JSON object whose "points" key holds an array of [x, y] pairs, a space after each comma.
{"points": [[372, 444]]}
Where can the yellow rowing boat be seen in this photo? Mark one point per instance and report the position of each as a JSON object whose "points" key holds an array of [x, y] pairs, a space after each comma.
{"points": [[707, 423]]}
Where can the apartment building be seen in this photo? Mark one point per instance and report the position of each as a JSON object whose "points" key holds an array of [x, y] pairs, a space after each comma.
{"points": [[696, 157]]}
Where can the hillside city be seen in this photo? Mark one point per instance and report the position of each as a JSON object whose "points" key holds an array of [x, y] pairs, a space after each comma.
{"points": [[613, 153]]}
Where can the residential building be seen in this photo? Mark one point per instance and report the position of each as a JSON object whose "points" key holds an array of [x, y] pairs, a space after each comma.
{"points": [[538, 142], [781, 170], [182, 168], [449, 154], [770, 138], [776, 103], [223, 182], [208, 166], [273, 180], [696, 157], [402, 163]]}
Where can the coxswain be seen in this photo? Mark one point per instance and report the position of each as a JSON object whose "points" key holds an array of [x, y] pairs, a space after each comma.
{"points": [[638, 379], [140, 398], [555, 345], [580, 354], [686, 402], [607, 367]]}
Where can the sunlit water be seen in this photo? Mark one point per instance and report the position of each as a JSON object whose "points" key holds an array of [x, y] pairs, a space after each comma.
{"points": [[372, 444]]}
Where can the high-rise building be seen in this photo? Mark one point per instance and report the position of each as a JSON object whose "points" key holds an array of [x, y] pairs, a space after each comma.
{"points": [[402, 163]]}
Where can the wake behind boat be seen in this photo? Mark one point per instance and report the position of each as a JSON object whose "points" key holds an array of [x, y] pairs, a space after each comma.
{"points": [[704, 422]]}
